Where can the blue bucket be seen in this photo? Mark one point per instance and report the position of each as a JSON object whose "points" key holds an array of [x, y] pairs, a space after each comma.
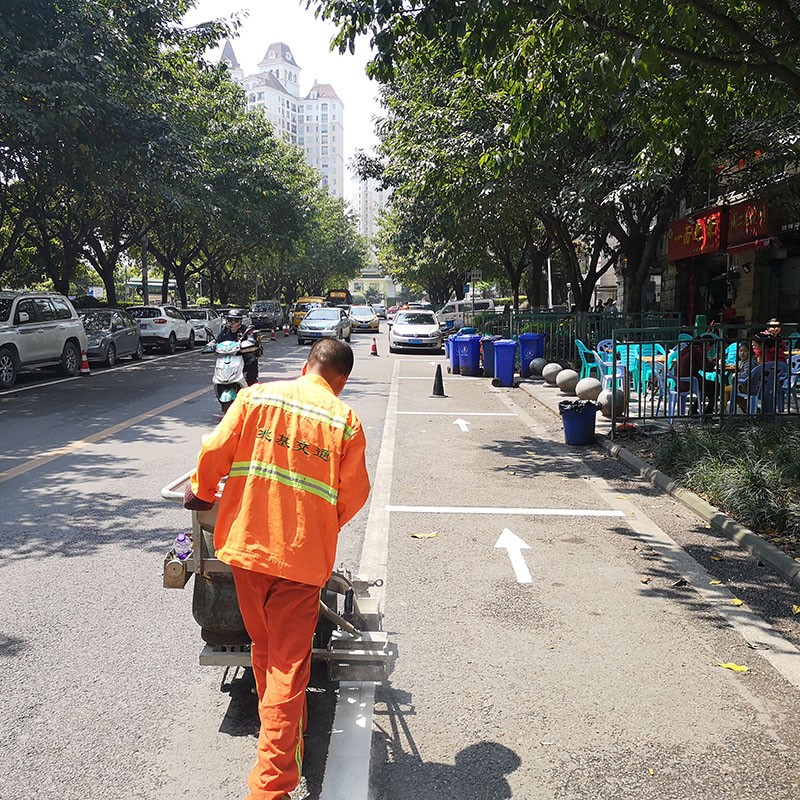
{"points": [[578, 417]]}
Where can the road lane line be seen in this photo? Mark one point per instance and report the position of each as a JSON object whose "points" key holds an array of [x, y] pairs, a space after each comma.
{"points": [[456, 414], [523, 512], [79, 444], [347, 767]]}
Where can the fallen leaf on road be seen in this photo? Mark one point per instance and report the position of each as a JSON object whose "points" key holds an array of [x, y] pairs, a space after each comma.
{"points": [[716, 558], [734, 667], [737, 602], [651, 771], [681, 582], [708, 525], [795, 610], [431, 535], [715, 582], [645, 580]]}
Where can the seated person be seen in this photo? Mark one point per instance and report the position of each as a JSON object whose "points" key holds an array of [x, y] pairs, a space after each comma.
{"points": [[768, 345], [699, 360]]}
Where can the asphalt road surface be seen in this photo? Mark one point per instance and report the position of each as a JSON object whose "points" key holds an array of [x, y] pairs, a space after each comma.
{"points": [[558, 625]]}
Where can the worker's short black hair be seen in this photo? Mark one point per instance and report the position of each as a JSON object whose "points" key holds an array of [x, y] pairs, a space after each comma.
{"points": [[333, 355]]}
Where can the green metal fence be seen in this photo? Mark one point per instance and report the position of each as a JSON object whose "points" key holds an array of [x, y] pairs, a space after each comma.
{"points": [[561, 329]]}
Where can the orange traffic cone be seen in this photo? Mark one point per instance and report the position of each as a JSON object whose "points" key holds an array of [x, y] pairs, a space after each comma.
{"points": [[374, 349], [272, 335], [84, 364], [285, 331]]}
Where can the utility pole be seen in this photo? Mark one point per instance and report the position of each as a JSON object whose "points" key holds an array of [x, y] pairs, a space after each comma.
{"points": [[145, 278]]}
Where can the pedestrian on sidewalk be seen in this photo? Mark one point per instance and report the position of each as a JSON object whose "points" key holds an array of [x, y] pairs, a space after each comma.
{"points": [[294, 454]]}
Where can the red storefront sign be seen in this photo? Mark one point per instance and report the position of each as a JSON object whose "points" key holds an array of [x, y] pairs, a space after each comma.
{"points": [[748, 222], [706, 234]]}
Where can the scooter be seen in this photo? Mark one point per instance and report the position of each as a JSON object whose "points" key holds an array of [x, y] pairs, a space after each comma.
{"points": [[229, 375]]}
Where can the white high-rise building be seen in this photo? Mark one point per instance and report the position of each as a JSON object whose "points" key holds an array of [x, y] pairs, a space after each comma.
{"points": [[314, 123], [371, 199]]}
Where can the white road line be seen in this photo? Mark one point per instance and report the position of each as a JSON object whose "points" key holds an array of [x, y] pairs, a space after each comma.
{"points": [[347, 768], [519, 512], [455, 414]]}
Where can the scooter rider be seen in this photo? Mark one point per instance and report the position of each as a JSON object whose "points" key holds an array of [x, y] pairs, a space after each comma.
{"points": [[235, 331]]}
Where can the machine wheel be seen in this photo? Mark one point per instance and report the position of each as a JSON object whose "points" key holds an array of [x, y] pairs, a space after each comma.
{"points": [[190, 343], [111, 355], [325, 628], [171, 345], [8, 368], [138, 353], [226, 405], [70, 365], [348, 337]]}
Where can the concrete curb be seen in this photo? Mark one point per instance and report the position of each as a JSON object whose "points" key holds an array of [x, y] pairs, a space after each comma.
{"points": [[767, 553]]}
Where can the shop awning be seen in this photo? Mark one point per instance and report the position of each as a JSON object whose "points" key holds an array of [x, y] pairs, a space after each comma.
{"points": [[755, 244]]}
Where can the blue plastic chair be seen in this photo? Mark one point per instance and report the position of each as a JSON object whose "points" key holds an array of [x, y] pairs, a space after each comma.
{"points": [[628, 354], [586, 356], [605, 346], [672, 396], [611, 372]]}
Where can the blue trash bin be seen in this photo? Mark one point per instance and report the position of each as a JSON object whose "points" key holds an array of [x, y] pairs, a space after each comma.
{"points": [[531, 345], [578, 418], [487, 343], [453, 355], [505, 351], [469, 353]]}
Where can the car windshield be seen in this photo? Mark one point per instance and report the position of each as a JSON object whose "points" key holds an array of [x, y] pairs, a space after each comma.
{"points": [[323, 313], [362, 311], [415, 318], [144, 312], [259, 307], [5, 308], [96, 320], [187, 312]]}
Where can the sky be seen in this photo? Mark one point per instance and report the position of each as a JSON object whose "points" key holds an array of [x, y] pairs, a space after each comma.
{"points": [[309, 39]]}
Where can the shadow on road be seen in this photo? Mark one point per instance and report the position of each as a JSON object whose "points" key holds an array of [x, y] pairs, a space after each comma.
{"points": [[478, 773]]}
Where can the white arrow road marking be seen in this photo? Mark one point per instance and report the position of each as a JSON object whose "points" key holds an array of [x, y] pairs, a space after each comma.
{"points": [[463, 424], [509, 540]]}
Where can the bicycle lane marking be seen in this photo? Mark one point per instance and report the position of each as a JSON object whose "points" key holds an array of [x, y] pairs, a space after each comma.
{"points": [[765, 640], [79, 444]]}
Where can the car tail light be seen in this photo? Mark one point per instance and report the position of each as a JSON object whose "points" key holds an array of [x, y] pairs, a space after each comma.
{"points": [[160, 321]]}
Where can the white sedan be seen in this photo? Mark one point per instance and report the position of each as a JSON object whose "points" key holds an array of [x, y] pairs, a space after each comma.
{"points": [[415, 329], [206, 323]]}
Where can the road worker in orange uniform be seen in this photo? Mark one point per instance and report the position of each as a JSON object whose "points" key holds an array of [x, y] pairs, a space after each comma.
{"points": [[294, 456]]}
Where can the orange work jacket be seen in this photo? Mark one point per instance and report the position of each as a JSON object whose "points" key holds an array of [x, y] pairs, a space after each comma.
{"points": [[294, 455]]}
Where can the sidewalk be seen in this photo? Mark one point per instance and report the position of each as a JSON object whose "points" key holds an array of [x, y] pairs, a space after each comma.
{"points": [[549, 396]]}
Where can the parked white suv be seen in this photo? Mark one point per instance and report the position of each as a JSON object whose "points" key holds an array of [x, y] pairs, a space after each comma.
{"points": [[163, 326], [38, 329]]}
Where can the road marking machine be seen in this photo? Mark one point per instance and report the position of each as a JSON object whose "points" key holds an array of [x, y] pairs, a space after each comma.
{"points": [[348, 638]]}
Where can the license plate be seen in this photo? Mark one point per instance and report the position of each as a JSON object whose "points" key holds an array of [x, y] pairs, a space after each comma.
{"points": [[415, 341]]}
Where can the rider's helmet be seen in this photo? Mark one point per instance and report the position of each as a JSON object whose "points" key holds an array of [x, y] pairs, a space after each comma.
{"points": [[235, 315]]}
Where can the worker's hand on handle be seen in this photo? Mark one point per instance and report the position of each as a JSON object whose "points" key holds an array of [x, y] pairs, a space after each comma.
{"points": [[193, 502]]}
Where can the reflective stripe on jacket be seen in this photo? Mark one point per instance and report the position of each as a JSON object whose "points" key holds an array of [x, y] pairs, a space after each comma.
{"points": [[295, 457]]}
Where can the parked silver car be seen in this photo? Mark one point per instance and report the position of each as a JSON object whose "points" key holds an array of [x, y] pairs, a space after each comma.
{"points": [[111, 333], [324, 323], [38, 329]]}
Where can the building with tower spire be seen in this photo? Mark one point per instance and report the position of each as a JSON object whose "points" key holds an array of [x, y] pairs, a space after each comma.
{"points": [[315, 123]]}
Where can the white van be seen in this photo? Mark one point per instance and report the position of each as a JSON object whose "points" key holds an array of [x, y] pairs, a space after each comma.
{"points": [[456, 312]]}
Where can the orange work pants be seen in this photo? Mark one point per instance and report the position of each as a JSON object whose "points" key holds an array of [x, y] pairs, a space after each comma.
{"points": [[280, 616]]}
